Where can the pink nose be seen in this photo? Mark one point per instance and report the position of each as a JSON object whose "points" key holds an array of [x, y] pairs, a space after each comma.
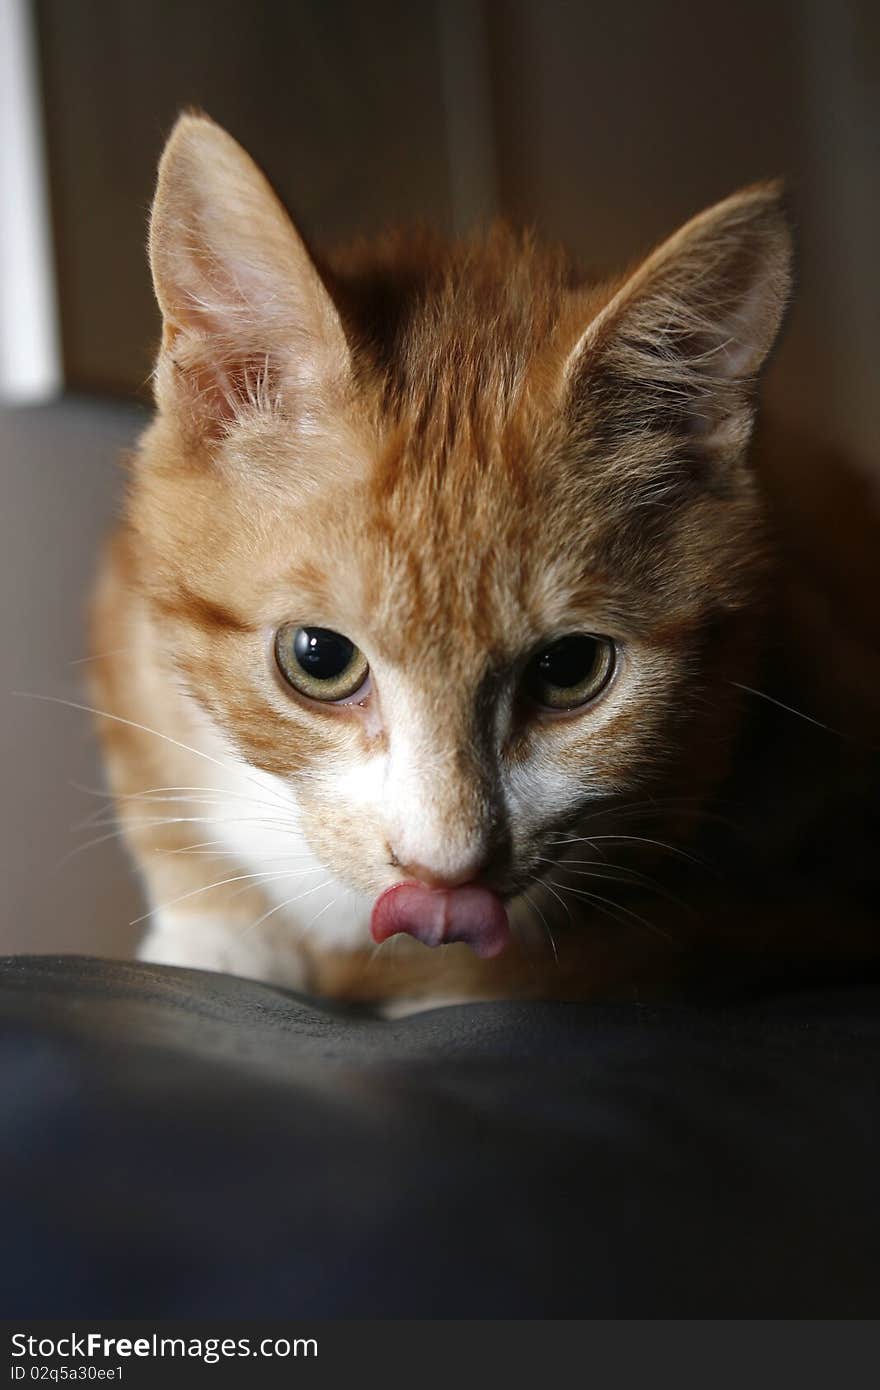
{"points": [[432, 879], [436, 916]]}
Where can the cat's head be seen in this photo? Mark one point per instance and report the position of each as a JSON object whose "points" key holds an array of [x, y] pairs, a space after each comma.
{"points": [[450, 540]]}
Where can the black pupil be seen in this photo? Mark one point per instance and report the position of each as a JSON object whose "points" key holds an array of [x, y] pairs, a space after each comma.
{"points": [[568, 662], [323, 654]]}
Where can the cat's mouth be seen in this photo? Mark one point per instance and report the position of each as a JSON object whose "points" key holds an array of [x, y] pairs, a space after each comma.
{"points": [[471, 914]]}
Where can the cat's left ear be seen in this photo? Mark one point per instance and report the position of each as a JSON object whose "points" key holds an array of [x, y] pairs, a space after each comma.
{"points": [[679, 346], [246, 317]]}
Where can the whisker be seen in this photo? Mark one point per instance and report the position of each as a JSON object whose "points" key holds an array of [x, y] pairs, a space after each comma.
{"points": [[618, 907], [148, 791], [678, 805], [289, 902], [616, 873], [537, 909], [206, 888], [148, 824], [90, 791], [100, 656], [579, 840], [636, 881], [217, 797], [133, 724], [647, 803], [275, 875], [320, 913], [789, 709], [544, 883], [107, 817], [645, 840], [209, 849]]}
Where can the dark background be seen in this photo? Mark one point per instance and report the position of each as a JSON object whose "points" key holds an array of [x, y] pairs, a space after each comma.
{"points": [[604, 124]]}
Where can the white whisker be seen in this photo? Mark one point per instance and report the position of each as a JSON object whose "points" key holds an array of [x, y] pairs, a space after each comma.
{"points": [[100, 656], [645, 840], [616, 873], [133, 724], [289, 902], [206, 887], [537, 909], [217, 798], [152, 824], [789, 709], [617, 907]]}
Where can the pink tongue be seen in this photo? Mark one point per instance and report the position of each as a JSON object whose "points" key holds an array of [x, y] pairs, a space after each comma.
{"points": [[435, 916]]}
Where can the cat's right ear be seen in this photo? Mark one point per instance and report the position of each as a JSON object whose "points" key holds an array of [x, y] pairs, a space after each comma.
{"points": [[247, 321], [671, 362]]}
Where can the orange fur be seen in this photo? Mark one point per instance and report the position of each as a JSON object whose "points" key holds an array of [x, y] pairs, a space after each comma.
{"points": [[451, 454]]}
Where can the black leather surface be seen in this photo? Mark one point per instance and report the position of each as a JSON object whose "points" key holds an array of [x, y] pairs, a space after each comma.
{"points": [[176, 1143]]}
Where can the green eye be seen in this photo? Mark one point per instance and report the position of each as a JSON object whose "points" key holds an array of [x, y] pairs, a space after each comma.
{"points": [[319, 663], [570, 671]]}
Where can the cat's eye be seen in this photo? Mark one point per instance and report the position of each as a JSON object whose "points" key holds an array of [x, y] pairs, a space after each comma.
{"points": [[319, 663], [570, 671]]}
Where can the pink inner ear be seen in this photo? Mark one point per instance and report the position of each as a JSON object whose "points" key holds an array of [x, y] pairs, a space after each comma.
{"points": [[218, 389], [437, 917]]}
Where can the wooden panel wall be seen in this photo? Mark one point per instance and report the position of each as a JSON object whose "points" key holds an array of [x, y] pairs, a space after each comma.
{"points": [[341, 102], [605, 124]]}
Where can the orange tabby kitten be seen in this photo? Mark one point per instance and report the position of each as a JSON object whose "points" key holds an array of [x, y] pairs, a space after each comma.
{"points": [[439, 600]]}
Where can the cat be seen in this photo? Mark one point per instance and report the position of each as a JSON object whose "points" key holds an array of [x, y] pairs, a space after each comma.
{"points": [[440, 611]]}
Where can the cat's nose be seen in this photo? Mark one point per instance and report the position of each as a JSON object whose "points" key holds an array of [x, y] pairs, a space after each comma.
{"points": [[437, 878]]}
